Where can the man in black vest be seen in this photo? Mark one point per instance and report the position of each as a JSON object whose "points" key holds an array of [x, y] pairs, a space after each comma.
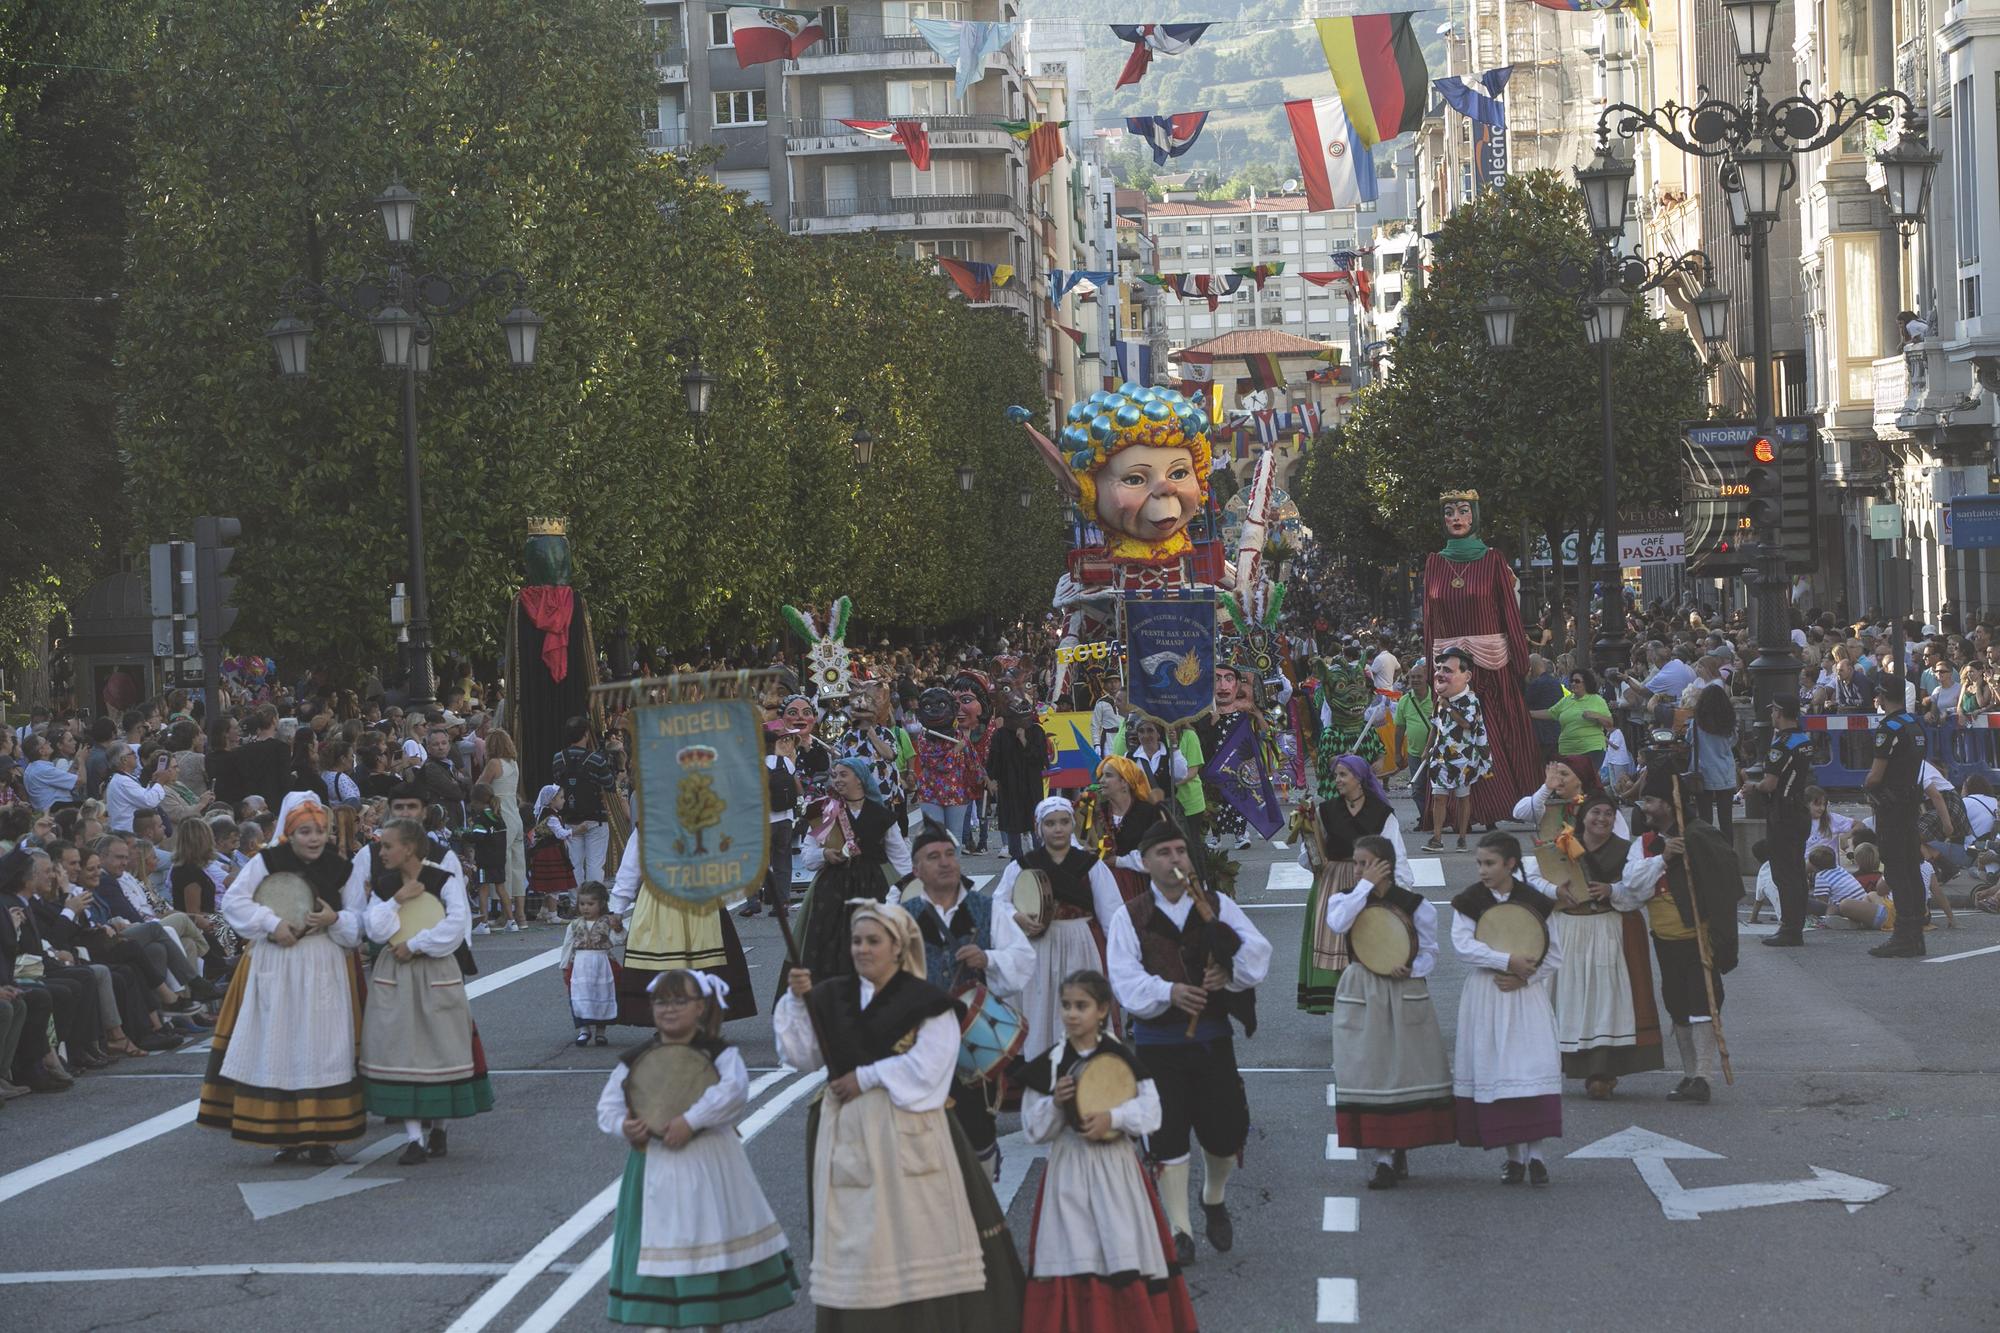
{"points": [[1787, 774], [1182, 970], [1896, 794]]}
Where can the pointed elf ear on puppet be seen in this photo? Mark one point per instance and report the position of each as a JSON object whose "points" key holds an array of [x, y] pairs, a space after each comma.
{"points": [[1051, 456], [828, 662]]}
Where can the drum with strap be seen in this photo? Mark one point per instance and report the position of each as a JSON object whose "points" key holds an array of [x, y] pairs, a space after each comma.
{"points": [[1382, 939], [1034, 899], [665, 1081], [1512, 928], [415, 917], [990, 1035], [288, 895]]}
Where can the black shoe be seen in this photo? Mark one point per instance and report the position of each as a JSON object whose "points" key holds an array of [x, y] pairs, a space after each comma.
{"points": [[1691, 1090], [1513, 1173], [752, 908], [583, 1036], [204, 989], [413, 1154], [1538, 1174], [158, 1041], [602, 1040], [320, 1154], [187, 1004], [1221, 1231], [1895, 948], [286, 1156], [1402, 1164], [436, 1145], [1785, 939], [1183, 1248], [41, 1080], [1384, 1177]]}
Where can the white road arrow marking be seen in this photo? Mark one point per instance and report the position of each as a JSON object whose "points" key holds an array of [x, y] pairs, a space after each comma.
{"points": [[270, 1198], [1651, 1152]]}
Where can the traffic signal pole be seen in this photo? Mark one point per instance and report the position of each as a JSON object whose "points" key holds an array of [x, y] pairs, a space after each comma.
{"points": [[1775, 671], [212, 592]]}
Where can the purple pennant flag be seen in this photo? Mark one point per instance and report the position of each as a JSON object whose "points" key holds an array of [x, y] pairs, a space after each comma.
{"points": [[1244, 779]]}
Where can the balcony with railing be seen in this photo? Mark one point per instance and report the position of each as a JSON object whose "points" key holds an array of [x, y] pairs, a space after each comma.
{"points": [[850, 52], [670, 63], [673, 140], [818, 137], [908, 212]]}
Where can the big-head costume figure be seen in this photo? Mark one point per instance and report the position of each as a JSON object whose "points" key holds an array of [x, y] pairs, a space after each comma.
{"points": [[1470, 602], [551, 661]]}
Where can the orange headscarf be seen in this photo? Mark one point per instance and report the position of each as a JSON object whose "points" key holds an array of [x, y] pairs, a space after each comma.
{"points": [[1135, 776]]}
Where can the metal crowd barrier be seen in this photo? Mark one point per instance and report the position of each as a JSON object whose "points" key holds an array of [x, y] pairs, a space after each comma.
{"points": [[1844, 744]]}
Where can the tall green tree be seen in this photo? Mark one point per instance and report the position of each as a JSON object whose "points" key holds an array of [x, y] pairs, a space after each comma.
{"points": [[268, 132], [1523, 426], [65, 157]]}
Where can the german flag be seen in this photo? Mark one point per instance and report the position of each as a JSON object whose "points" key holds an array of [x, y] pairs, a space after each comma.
{"points": [[1378, 65]]}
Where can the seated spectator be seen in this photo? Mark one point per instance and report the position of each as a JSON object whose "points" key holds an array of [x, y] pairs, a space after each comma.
{"points": [[1827, 827], [45, 782], [1837, 892]]}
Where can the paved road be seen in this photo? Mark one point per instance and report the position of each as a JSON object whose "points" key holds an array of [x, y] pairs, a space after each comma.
{"points": [[116, 1212]]}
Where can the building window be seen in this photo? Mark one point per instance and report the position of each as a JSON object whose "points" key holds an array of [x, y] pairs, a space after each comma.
{"points": [[1965, 165], [1290, 246], [897, 15], [929, 97], [934, 249], [1197, 252], [1290, 222], [1170, 229], [745, 107], [948, 175], [1316, 222], [1170, 252], [718, 27]]}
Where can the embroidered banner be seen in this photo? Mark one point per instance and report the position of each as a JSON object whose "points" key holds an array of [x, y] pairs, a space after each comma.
{"points": [[1243, 778], [1170, 653], [701, 799]]}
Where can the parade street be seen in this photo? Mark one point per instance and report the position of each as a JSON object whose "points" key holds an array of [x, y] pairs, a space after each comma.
{"points": [[1846, 1180]]}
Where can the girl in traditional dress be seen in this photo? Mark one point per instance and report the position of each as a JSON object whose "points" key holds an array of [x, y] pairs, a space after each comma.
{"points": [[1085, 899], [550, 874], [420, 1056], [1126, 807], [696, 1244], [1358, 808], [850, 838], [1507, 1067], [1460, 757], [662, 934], [907, 1234], [1100, 1256], [281, 1064], [592, 948], [1606, 1021], [1393, 1092]]}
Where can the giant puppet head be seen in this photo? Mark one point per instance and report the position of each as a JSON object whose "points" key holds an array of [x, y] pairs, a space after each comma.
{"points": [[1461, 513], [974, 693], [1137, 461]]}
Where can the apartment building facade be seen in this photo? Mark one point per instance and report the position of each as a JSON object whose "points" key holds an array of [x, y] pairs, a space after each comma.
{"points": [[1216, 236]]}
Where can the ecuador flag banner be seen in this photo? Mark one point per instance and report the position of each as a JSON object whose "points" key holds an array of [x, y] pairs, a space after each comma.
{"points": [[1378, 65]]}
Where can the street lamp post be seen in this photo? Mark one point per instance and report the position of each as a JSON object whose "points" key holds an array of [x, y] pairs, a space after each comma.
{"points": [[1603, 293], [1759, 141], [402, 303]]}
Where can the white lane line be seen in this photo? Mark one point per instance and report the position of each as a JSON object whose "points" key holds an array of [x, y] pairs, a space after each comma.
{"points": [[1429, 871], [1969, 953], [584, 1220], [1298, 906], [1338, 1302], [589, 1275], [337, 1269], [1339, 1214], [1336, 1153], [15, 1183]]}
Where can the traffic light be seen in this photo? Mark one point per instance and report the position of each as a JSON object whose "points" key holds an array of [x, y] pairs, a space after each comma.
{"points": [[1766, 499], [212, 589]]}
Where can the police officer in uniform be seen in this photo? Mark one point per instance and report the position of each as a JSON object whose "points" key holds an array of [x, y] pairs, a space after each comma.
{"points": [[1895, 793], [1788, 771]]}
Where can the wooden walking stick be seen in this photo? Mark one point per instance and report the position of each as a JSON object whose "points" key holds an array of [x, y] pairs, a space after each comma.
{"points": [[1701, 939]]}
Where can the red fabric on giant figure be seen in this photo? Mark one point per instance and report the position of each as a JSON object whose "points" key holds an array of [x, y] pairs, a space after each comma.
{"points": [[550, 609], [1487, 604]]}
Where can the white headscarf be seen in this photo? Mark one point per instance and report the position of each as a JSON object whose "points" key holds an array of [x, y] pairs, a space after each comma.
{"points": [[544, 796], [298, 800], [1050, 805]]}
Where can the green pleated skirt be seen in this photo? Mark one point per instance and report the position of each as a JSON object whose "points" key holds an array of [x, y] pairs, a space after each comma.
{"points": [[731, 1297]]}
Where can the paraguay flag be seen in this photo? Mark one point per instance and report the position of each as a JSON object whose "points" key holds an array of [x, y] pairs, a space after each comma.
{"points": [[1169, 136], [1378, 66], [1335, 164], [1169, 39], [761, 34]]}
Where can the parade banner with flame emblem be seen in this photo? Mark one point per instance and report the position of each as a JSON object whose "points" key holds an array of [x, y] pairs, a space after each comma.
{"points": [[701, 799], [1170, 653]]}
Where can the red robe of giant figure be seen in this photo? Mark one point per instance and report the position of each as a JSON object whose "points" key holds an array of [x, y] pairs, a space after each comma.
{"points": [[1470, 602]]}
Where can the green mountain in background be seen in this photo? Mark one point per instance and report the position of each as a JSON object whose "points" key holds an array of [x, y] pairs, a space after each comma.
{"points": [[1239, 72]]}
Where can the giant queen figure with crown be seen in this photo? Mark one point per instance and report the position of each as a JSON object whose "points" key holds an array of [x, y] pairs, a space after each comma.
{"points": [[1471, 602]]}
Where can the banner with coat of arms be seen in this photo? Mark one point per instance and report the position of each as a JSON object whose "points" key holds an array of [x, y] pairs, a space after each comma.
{"points": [[1170, 653], [701, 800]]}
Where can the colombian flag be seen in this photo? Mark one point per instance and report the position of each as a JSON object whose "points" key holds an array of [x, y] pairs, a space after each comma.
{"points": [[1378, 65]]}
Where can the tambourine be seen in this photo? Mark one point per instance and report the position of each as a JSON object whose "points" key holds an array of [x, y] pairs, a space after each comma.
{"points": [[1034, 901], [289, 896], [1382, 939], [1512, 928], [665, 1081], [1105, 1080], [414, 917]]}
